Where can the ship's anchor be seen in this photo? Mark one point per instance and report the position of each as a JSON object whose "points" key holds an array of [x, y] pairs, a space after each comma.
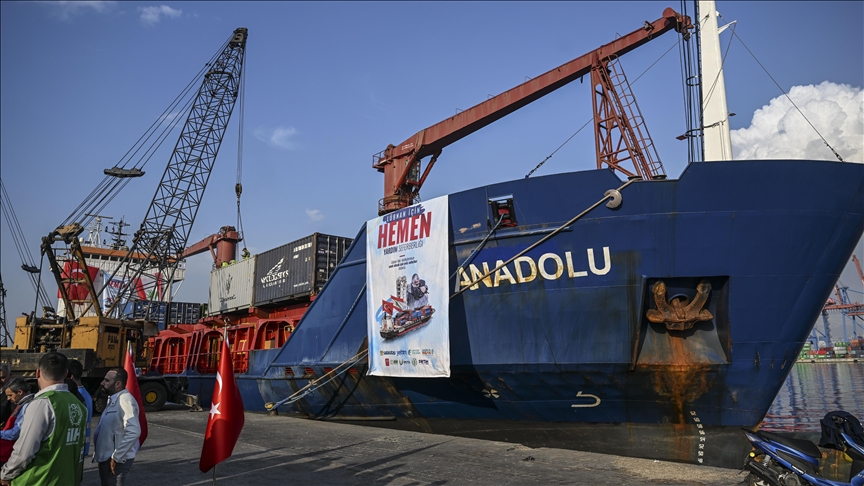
{"points": [[680, 313]]}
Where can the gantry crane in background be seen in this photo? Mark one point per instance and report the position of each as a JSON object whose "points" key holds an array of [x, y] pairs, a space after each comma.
{"points": [[620, 133], [97, 336], [854, 311]]}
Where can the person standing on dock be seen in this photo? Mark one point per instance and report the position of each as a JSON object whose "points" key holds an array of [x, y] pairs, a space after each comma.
{"points": [[76, 371], [50, 447], [115, 441], [5, 405], [18, 392]]}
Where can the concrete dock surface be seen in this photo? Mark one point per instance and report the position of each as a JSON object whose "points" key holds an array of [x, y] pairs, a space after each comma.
{"points": [[286, 450]]}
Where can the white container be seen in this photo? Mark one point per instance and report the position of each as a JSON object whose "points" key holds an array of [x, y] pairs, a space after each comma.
{"points": [[232, 287]]}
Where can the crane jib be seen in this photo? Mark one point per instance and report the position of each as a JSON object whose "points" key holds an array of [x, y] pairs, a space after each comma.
{"points": [[402, 181]]}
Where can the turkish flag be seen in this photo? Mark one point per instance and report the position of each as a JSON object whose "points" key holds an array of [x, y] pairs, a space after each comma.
{"points": [[77, 289], [226, 416], [135, 390]]}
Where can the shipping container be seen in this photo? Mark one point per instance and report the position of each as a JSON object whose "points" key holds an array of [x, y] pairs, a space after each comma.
{"points": [[179, 313], [232, 287], [298, 270]]}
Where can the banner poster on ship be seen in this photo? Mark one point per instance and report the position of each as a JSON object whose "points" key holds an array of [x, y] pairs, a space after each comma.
{"points": [[407, 292], [110, 293]]}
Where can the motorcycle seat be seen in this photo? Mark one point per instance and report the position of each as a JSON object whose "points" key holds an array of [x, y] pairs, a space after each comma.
{"points": [[800, 445]]}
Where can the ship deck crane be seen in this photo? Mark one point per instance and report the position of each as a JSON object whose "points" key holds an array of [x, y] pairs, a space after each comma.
{"points": [[619, 133], [222, 246]]}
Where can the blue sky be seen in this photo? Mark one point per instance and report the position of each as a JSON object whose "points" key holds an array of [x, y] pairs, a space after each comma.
{"points": [[330, 84]]}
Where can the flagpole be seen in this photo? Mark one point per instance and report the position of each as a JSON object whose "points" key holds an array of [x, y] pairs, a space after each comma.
{"points": [[224, 338]]}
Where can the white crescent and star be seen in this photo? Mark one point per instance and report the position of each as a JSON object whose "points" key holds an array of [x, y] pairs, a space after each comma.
{"points": [[214, 407], [214, 410]]}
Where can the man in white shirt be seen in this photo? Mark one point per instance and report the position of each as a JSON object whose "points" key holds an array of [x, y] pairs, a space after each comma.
{"points": [[116, 437]]}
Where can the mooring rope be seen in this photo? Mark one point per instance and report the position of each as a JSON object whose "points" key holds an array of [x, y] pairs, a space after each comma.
{"points": [[314, 385], [608, 195], [479, 247], [311, 386]]}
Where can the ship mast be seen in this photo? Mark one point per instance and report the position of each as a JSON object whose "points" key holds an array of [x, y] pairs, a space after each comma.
{"points": [[715, 115]]}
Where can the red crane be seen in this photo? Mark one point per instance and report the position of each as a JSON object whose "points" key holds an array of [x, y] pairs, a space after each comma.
{"points": [[222, 245], [618, 130]]}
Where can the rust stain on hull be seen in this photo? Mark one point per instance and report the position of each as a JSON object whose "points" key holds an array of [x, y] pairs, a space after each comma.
{"points": [[682, 379]]}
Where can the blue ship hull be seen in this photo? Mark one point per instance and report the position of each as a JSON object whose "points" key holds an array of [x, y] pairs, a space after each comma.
{"points": [[569, 359]]}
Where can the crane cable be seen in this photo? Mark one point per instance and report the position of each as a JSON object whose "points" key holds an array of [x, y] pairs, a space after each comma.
{"points": [[176, 112], [734, 33], [27, 261], [238, 187]]}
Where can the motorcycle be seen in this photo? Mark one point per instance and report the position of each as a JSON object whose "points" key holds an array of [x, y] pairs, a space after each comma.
{"points": [[784, 461]]}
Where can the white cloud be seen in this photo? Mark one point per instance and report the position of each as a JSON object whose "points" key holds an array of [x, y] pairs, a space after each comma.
{"points": [[281, 137], [778, 131], [65, 10], [169, 117], [152, 15], [314, 214]]}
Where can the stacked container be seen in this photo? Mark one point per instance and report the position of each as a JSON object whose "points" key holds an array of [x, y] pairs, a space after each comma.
{"points": [[164, 314], [232, 287], [298, 270], [840, 349]]}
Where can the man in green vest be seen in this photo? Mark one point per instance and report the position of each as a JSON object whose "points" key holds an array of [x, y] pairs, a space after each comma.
{"points": [[49, 451]]}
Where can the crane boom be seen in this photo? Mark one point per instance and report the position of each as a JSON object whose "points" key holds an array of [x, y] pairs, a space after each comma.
{"points": [[401, 163], [165, 230]]}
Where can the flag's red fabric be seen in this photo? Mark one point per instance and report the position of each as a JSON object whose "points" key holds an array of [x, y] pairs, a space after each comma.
{"points": [[388, 307], [226, 416], [135, 391], [75, 290]]}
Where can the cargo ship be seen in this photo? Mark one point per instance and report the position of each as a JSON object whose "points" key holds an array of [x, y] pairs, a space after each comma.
{"points": [[655, 325], [405, 321]]}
